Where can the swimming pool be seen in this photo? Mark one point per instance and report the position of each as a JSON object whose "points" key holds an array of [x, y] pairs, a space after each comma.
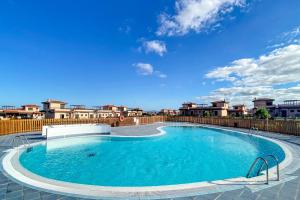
{"points": [[183, 155]]}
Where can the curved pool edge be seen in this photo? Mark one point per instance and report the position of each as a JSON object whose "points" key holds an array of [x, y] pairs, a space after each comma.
{"points": [[12, 167]]}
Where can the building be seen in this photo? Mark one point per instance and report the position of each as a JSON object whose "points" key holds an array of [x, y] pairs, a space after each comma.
{"points": [[266, 103], [217, 109], [81, 112], [168, 112], [110, 107], [112, 110], [29, 111], [107, 113], [133, 112], [122, 108], [54, 109], [289, 108], [238, 110]]}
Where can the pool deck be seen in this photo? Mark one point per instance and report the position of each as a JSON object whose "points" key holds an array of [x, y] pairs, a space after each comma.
{"points": [[287, 188]]}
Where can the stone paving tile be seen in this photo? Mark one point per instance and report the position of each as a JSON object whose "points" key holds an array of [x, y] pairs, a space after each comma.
{"points": [[50, 197], [67, 198], [11, 187], [31, 194], [3, 180], [234, 194], [14, 194], [15, 198], [3, 186], [270, 193], [185, 198], [208, 196], [247, 195]]}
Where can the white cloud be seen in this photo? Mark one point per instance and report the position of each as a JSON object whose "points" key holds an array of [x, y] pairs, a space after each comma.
{"points": [[195, 15], [273, 75], [144, 68], [286, 38], [147, 69], [160, 75], [155, 46], [278, 67]]}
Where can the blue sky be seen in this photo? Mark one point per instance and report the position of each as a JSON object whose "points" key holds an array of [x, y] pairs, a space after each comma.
{"points": [[152, 55]]}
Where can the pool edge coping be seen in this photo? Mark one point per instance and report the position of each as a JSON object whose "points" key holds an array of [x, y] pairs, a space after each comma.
{"points": [[14, 169]]}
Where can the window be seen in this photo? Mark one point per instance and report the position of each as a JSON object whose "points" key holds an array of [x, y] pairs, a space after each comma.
{"points": [[291, 110], [298, 110], [31, 109], [269, 103]]}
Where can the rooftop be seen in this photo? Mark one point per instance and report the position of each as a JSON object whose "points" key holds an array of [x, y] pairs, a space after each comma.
{"points": [[78, 106], [54, 101], [31, 105], [263, 99], [222, 101], [109, 105], [189, 103], [238, 105]]}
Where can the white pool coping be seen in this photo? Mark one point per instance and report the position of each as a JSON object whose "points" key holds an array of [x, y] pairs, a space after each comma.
{"points": [[13, 168]]}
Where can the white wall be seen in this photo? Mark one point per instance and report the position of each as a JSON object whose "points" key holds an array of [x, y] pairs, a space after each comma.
{"points": [[74, 129]]}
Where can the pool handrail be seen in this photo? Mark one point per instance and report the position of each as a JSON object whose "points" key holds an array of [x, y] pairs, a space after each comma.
{"points": [[21, 138], [277, 164], [254, 163]]}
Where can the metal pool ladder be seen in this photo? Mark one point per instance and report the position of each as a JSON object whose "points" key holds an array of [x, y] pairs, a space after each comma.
{"points": [[21, 138], [253, 130], [265, 162]]}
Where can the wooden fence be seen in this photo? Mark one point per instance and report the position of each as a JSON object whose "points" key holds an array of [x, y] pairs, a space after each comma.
{"points": [[29, 125], [278, 126]]}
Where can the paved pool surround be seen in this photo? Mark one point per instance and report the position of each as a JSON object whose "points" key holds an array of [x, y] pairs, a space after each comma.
{"points": [[248, 188]]}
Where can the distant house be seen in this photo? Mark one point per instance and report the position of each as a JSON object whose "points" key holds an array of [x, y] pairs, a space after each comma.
{"points": [[111, 111], [110, 107], [266, 103], [54, 109], [168, 112], [289, 108], [217, 109], [238, 110], [29, 111], [107, 113], [81, 112], [133, 112], [122, 108], [191, 109]]}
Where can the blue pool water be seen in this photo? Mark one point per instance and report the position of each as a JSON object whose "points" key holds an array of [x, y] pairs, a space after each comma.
{"points": [[182, 155]]}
